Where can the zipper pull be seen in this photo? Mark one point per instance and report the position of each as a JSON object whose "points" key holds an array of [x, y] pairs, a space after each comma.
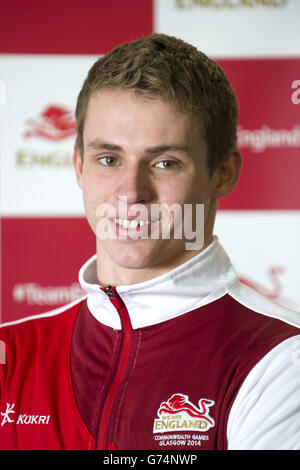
{"points": [[110, 292], [113, 296]]}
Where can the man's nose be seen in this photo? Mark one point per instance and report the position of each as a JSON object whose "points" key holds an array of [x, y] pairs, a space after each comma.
{"points": [[135, 185]]}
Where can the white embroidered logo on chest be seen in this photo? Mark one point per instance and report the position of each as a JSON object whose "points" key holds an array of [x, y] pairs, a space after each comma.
{"points": [[179, 414]]}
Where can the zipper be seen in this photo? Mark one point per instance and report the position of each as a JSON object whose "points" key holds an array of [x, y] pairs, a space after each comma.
{"points": [[122, 363]]}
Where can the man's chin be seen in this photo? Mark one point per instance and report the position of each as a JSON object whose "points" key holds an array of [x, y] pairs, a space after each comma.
{"points": [[154, 255], [131, 258]]}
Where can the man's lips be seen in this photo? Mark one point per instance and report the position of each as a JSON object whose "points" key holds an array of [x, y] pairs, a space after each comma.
{"points": [[131, 223], [139, 227]]}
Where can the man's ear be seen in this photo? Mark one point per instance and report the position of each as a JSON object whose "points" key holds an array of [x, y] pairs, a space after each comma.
{"points": [[78, 164], [227, 174]]}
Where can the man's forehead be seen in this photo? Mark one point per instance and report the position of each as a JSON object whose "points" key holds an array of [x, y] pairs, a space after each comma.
{"points": [[158, 129]]}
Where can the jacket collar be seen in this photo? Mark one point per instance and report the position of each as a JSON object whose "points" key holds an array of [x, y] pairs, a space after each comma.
{"points": [[197, 282]]}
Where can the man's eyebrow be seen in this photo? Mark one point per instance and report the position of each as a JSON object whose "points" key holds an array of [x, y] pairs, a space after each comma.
{"points": [[166, 148], [99, 145], [155, 150]]}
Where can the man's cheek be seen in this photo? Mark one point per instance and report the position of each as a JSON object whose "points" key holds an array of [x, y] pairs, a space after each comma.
{"points": [[90, 207]]}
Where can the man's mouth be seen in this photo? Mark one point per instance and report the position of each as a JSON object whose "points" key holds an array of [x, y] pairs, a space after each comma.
{"points": [[131, 224]]}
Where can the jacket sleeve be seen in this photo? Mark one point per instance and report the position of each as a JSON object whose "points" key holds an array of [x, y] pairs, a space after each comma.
{"points": [[266, 412]]}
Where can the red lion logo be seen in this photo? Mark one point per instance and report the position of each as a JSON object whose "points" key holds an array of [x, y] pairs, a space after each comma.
{"points": [[54, 123], [179, 403]]}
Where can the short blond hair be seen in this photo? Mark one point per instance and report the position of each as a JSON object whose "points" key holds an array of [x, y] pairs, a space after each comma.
{"points": [[171, 69]]}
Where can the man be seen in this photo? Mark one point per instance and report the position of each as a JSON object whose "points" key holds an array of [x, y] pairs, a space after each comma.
{"points": [[167, 350]]}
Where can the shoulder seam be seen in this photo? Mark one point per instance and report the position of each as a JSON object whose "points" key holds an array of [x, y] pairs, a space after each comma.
{"points": [[268, 308], [50, 313]]}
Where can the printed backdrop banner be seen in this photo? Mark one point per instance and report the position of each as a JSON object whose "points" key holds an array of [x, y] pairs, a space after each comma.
{"points": [[45, 52]]}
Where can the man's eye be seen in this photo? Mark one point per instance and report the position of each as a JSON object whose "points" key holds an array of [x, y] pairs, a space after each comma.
{"points": [[167, 164], [108, 161]]}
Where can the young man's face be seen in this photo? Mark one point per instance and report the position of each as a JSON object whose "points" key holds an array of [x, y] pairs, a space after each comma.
{"points": [[145, 153]]}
